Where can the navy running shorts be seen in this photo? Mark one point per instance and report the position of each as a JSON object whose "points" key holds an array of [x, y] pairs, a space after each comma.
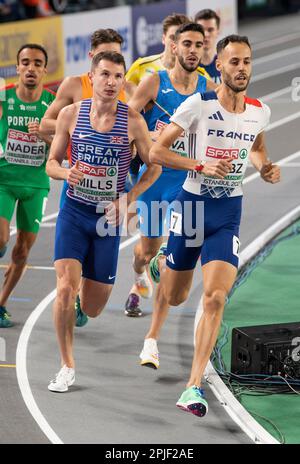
{"points": [[83, 234], [203, 226]]}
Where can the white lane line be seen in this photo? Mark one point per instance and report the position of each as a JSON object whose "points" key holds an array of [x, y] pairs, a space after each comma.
{"points": [[275, 72], [278, 93], [21, 369], [45, 219], [283, 121], [281, 162], [275, 55], [47, 225], [21, 360], [29, 267], [232, 406], [23, 346], [276, 41]]}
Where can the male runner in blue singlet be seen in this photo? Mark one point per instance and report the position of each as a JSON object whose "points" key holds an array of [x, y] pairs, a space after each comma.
{"points": [[101, 130], [161, 93], [207, 216]]}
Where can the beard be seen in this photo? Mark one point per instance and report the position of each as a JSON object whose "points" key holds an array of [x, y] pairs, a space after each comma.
{"points": [[188, 67], [227, 79], [30, 86]]}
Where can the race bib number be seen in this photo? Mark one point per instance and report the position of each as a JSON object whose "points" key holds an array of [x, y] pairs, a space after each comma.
{"points": [[99, 183], [236, 245], [176, 223], [179, 145], [24, 149]]}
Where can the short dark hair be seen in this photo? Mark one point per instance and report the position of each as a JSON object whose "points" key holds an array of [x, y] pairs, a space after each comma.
{"points": [[189, 27], [208, 14], [174, 19], [233, 38], [114, 57], [33, 46], [102, 36]]}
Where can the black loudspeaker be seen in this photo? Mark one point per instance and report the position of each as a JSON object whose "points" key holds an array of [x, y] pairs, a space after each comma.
{"points": [[266, 349]]}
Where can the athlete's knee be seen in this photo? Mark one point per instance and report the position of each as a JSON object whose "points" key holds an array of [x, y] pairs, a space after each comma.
{"points": [[92, 311], [176, 296], [214, 300], [20, 253], [144, 255], [66, 294], [4, 238]]}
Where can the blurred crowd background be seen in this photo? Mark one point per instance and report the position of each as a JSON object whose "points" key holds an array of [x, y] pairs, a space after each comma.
{"points": [[12, 10]]}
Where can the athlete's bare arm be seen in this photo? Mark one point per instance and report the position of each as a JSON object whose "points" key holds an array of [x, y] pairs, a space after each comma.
{"points": [[269, 172], [65, 125], [161, 154], [138, 132], [145, 92], [69, 92]]}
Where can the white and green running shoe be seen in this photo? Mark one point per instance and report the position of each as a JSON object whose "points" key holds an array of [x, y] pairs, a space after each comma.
{"points": [[192, 400], [153, 266], [81, 317], [5, 321]]}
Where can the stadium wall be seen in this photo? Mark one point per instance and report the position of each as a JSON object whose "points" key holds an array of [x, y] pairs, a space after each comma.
{"points": [[67, 37]]}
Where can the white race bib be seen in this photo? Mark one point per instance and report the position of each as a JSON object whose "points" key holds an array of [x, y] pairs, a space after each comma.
{"points": [[99, 183], [25, 149]]}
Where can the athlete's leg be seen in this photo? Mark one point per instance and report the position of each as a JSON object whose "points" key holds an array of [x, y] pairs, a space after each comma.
{"points": [[144, 250], [68, 273], [218, 278], [151, 228], [19, 256], [94, 296], [7, 206], [4, 235]]}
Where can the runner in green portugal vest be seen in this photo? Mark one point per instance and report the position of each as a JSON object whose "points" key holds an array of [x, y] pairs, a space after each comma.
{"points": [[23, 156]]}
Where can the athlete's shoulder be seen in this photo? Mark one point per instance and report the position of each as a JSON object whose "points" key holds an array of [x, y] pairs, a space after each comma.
{"points": [[253, 102], [208, 96], [202, 72], [48, 94], [258, 105], [147, 60], [8, 87]]}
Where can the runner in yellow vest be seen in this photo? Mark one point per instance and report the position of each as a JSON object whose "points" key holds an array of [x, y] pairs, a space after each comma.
{"points": [[165, 60]]}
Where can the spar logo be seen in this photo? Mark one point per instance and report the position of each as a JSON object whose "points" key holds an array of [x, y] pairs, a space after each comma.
{"points": [[22, 136], [111, 171], [221, 153], [243, 153], [97, 171]]}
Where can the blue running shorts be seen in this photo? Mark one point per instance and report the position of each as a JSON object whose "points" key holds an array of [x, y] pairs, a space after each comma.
{"points": [[154, 205], [77, 237], [203, 226]]}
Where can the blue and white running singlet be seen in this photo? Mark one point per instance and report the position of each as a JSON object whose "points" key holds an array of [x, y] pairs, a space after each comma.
{"points": [[104, 157], [82, 232]]}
